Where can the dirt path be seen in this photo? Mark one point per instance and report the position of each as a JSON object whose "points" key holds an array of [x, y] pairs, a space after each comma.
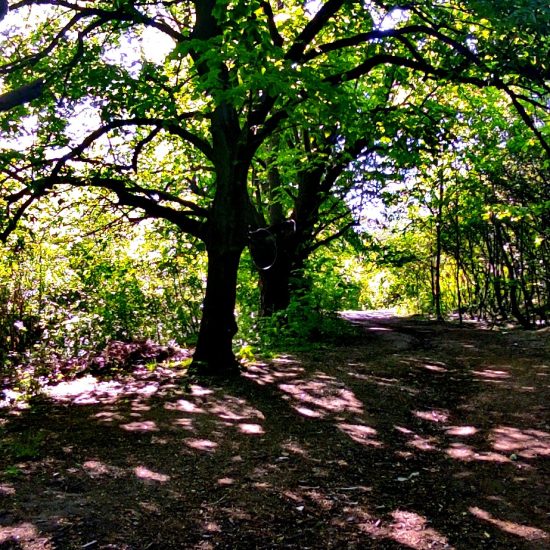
{"points": [[416, 436]]}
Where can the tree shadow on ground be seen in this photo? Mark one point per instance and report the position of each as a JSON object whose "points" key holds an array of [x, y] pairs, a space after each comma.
{"points": [[423, 436]]}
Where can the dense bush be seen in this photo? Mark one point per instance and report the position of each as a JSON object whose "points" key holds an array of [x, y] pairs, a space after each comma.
{"points": [[61, 298]]}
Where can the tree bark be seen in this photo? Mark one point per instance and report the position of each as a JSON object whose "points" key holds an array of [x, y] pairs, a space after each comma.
{"points": [[293, 238], [214, 352], [278, 283], [226, 236], [274, 289], [21, 95]]}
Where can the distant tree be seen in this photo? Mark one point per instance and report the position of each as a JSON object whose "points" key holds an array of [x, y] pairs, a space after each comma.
{"points": [[482, 202]]}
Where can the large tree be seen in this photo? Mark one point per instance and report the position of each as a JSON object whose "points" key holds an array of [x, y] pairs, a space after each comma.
{"points": [[177, 137], [385, 121], [320, 179]]}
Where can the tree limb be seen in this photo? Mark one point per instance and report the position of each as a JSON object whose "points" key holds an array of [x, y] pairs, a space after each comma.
{"points": [[312, 29], [21, 95], [3, 9], [171, 127], [278, 40], [317, 244]]}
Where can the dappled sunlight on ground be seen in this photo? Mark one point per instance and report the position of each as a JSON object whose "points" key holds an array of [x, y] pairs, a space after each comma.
{"points": [[24, 536], [523, 531], [184, 423], [462, 451], [524, 443], [233, 409], [405, 527], [199, 391], [87, 390], [264, 373], [228, 410], [323, 396], [148, 475], [7, 489], [140, 426], [225, 481], [183, 405], [461, 431], [433, 415], [251, 429], [90, 390], [423, 443], [294, 448], [205, 445], [360, 434], [97, 468], [109, 416], [317, 396], [508, 444], [413, 530], [374, 446], [492, 375]]}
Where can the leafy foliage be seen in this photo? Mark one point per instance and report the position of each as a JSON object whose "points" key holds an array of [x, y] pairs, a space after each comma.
{"points": [[64, 298]]}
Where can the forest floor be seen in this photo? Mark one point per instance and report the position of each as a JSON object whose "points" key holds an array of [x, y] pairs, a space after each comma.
{"points": [[413, 435]]}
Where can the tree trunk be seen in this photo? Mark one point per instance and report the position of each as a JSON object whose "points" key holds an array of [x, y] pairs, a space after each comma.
{"points": [[226, 236], [274, 288], [438, 252], [458, 262], [284, 278], [214, 352], [293, 236]]}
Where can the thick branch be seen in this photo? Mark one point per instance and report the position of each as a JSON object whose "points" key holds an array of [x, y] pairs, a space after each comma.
{"points": [[317, 244], [3, 9], [312, 29], [278, 40], [126, 13], [14, 220], [171, 127], [527, 119], [149, 205], [362, 38], [21, 95], [143, 199], [169, 197]]}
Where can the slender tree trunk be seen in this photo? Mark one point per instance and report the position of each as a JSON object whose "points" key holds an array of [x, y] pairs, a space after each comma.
{"points": [[438, 252], [437, 274], [513, 283], [458, 257]]}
